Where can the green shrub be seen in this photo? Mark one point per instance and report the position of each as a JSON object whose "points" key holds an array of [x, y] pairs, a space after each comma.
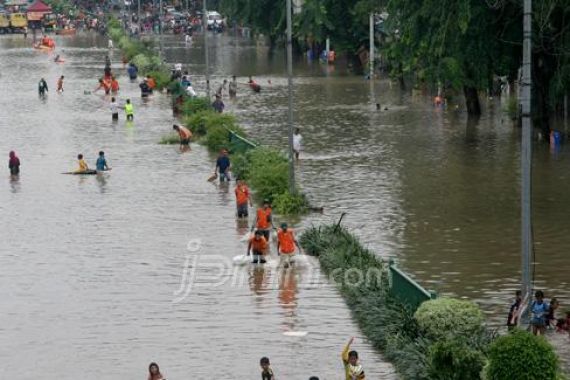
{"points": [[448, 317], [195, 105], [522, 356], [161, 77], [196, 122], [142, 62], [116, 34], [287, 203], [455, 360], [268, 173]]}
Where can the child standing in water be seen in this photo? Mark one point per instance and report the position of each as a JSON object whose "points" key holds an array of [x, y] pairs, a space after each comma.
{"points": [[266, 371], [14, 164], [60, 84]]}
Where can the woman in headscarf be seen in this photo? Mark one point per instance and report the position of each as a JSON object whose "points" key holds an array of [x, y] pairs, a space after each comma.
{"points": [[14, 164]]}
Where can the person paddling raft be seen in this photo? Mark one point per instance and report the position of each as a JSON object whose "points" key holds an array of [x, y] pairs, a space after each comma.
{"points": [[83, 168], [184, 134], [286, 244], [14, 164], [101, 163], [258, 247], [352, 368]]}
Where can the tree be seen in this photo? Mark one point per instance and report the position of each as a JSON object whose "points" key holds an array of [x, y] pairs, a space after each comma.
{"points": [[446, 41]]}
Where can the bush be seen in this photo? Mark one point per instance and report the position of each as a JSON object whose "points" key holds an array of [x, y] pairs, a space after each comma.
{"points": [[268, 173], [195, 105], [161, 77], [142, 62], [448, 317], [521, 355], [287, 203], [455, 360]]}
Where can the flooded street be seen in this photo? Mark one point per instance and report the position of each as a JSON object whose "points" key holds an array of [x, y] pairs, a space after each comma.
{"points": [[424, 186], [101, 275]]}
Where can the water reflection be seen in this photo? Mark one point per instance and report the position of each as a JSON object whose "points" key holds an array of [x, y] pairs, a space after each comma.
{"points": [[288, 297], [15, 185]]}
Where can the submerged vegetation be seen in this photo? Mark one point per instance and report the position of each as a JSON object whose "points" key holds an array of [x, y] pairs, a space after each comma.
{"points": [[444, 339]]}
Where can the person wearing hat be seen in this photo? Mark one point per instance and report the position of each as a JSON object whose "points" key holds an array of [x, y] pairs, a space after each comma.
{"points": [[352, 367], [258, 247], [218, 104], [286, 244], [263, 220]]}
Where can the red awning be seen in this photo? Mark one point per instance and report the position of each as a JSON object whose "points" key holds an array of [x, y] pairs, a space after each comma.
{"points": [[39, 7]]}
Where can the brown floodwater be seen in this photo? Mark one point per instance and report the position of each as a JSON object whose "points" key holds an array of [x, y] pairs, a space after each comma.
{"points": [[103, 274]]}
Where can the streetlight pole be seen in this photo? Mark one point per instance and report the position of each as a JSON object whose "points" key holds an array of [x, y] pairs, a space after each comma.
{"points": [[526, 156], [371, 54], [207, 58], [292, 187]]}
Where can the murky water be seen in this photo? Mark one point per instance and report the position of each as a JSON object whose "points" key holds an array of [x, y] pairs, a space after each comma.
{"points": [[101, 275], [95, 270], [426, 187]]}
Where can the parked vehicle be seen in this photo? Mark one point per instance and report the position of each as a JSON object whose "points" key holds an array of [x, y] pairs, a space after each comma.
{"points": [[18, 22], [4, 23], [214, 18]]}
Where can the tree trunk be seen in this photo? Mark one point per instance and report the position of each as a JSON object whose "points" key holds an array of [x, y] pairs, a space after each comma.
{"points": [[472, 101], [542, 75]]}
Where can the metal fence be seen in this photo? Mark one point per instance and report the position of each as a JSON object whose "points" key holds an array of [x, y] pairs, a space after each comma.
{"points": [[406, 290], [239, 143]]}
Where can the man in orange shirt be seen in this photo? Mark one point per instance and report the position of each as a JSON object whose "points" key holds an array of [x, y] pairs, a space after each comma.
{"points": [[114, 85], [263, 219], [286, 244], [151, 83], [184, 133], [243, 199], [258, 247]]}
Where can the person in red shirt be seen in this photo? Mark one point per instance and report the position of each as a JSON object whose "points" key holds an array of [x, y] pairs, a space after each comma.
{"points": [[286, 244], [243, 199], [263, 220]]}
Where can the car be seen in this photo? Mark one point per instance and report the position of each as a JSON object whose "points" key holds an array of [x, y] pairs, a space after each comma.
{"points": [[214, 17]]}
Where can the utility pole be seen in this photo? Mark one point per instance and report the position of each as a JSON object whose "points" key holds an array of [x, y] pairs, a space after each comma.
{"points": [[138, 12], [292, 187], [526, 156], [371, 58], [205, 28]]}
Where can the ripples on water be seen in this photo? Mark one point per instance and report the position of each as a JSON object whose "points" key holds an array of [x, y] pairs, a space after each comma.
{"points": [[91, 265]]}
